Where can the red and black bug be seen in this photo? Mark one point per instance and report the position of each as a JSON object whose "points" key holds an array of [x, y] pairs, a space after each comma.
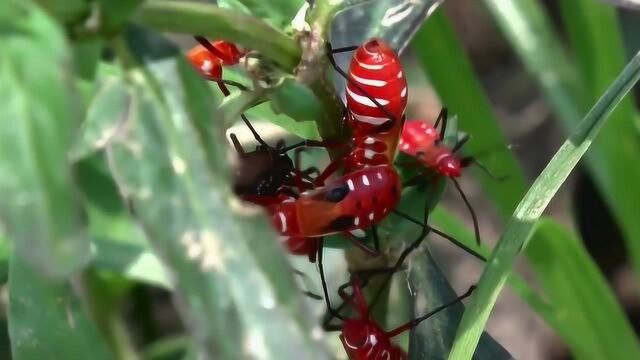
{"points": [[422, 141], [208, 57], [362, 337], [376, 95], [346, 205]]}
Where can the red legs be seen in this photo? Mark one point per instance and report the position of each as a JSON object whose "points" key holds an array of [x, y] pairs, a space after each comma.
{"points": [[328, 171], [413, 323]]}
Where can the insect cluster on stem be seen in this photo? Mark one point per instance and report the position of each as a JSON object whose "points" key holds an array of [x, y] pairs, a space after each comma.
{"points": [[305, 205]]}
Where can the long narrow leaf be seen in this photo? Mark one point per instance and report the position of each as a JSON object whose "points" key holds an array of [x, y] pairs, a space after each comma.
{"points": [[521, 225], [47, 320], [234, 287], [39, 204], [595, 326]]}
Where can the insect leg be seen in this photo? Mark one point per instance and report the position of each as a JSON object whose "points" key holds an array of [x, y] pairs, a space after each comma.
{"points": [[413, 323], [443, 116], [476, 227]]}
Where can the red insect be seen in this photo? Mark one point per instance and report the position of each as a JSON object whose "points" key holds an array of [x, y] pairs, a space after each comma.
{"points": [[346, 205], [209, 56], [422, 141], [376, 101], [363, 338]]}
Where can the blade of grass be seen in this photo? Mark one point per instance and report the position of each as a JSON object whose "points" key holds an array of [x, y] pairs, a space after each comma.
{"points": [[187, 17], [580, 296], [519, 229], [529, 30], [444, 60], [555, 274], [595, 36]]}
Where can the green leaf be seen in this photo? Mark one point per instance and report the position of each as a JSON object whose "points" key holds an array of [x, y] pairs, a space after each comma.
{"points": [[595, 37], [68, 11], [447, 66], [519, 229], [188, 17], [132, 259], [278, 13], [106, 111], [304, 129], [593, 323], [46, 319], [295, 100], [37, 121], [114, 13], [231, 277]]}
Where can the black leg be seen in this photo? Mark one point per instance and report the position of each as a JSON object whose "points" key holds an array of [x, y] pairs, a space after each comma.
{"points": [[460, 143], [442, 234], [476, 228], [467, 161], [443, 116], [323, 280], [376, 239], [413, 323], [344, 49], [328, 144], [305, 279], [236, 144], [235, 84]]}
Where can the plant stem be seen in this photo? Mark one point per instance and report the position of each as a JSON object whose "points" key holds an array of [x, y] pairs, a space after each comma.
{"points": [[314, 57], [193, 18]]}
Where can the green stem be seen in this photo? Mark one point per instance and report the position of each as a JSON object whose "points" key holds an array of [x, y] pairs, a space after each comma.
{"points": [[314, 57], [189, 17]]}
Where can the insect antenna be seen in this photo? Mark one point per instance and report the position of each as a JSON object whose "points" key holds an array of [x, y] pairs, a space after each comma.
{"points": [[466, 161], [476, 228]]}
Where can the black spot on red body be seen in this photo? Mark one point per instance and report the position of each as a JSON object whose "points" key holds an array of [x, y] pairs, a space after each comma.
{"points": [[341, 223]]}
